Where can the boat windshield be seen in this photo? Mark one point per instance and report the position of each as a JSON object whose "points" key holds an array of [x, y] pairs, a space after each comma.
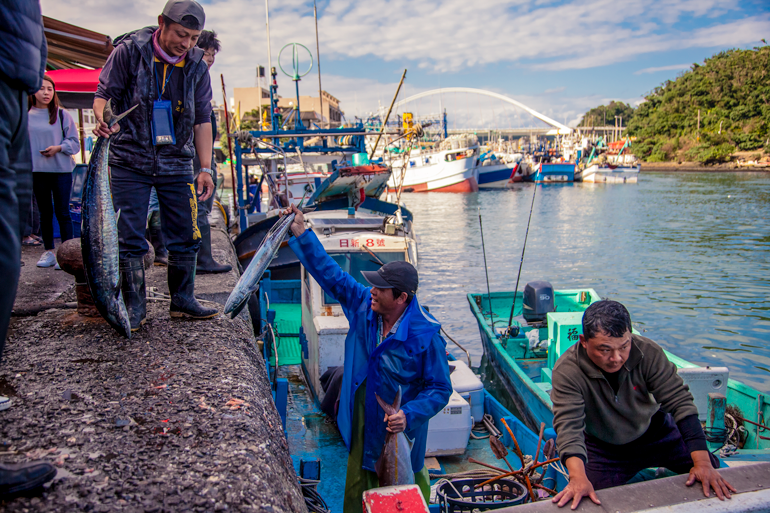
{"points": [[354, 263]]}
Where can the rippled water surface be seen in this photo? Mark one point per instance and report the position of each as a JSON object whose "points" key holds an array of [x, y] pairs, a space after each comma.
{"points": [[687, 254]]}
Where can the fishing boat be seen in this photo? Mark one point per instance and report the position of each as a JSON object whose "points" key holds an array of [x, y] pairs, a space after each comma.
{"points": [[606, 162], [498, 171], [610, 173], [303, 332], [357, 187], [450, 168], [554, 172], [525, 353]]}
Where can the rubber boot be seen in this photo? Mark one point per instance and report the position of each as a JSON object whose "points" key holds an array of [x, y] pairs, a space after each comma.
{"points": [[161, 253], [134, 294], [181, 285], [206, 262]]}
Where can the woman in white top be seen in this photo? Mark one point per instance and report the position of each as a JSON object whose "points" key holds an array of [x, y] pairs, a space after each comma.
{"points": [[53, 139]]}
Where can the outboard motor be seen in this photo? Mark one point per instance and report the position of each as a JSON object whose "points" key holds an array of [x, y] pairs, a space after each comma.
{"points": [[538, 301]]}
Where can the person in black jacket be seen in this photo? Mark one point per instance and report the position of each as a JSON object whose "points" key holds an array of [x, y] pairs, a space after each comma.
{"points": [[209, 43], [161, 72], [21, 69]]}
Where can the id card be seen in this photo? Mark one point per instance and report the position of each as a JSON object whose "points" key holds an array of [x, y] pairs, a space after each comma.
{"points": [[162, 123]]}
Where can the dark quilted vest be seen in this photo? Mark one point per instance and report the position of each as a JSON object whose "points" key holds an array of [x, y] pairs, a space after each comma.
{"points": [[132, 147]]}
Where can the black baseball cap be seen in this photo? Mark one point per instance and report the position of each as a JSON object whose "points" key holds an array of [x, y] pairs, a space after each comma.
{"points": [[187, 13], [394, 275]]}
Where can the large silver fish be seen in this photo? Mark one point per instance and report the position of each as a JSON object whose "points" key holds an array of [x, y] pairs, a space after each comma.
{"points": [[249, 281], [99, 234], [394, 466]]}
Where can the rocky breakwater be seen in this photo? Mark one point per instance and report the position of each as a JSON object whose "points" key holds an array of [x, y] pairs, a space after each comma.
{"points": [[179, 418]]}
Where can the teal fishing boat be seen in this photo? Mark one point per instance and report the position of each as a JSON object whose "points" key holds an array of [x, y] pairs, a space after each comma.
{"points": [[525, 354]]}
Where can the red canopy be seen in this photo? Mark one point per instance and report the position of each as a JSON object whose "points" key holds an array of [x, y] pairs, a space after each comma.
{"points": [[75, 80]]}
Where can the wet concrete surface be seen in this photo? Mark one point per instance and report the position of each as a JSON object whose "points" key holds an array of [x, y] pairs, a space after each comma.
{"points": [[179, 418]]}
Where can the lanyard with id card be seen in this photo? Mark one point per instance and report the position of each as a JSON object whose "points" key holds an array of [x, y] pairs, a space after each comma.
{"points": [[162, 115]]}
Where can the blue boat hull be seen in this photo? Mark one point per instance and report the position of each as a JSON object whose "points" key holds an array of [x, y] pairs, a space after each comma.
{"points": [[489, 178], [558, 173]]}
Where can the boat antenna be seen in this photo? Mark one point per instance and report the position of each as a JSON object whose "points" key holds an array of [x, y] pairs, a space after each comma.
{"points": [[486, 271], [521, 263], [267, 25], [318, 61]]}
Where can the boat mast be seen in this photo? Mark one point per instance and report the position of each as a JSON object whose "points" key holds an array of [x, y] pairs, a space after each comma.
{"points": [[267, 23], [318, 60]]}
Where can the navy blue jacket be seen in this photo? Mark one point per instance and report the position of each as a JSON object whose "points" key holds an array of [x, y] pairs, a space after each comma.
{"points": [[23, 48], [413, 358], [128, 79]]}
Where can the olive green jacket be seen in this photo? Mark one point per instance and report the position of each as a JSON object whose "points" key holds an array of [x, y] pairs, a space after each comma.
{"points": [[583, 399]]}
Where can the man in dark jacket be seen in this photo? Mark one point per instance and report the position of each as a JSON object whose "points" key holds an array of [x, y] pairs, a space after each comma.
{"points": [[159, 70], [22, 66], [619, 407]]}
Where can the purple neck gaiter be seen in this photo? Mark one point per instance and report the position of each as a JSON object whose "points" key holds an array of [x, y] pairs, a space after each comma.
{"points": [[160, 54]]}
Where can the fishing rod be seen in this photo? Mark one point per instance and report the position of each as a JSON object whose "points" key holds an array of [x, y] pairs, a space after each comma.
{"points": [[521, 263], [486, 271]]}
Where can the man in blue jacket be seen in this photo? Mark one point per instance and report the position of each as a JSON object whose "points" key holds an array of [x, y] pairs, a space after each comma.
{"points": [[22, 66], [392, 342], [162, 72]]}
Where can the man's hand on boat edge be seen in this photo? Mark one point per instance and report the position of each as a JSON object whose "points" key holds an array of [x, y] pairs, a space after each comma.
{"points": [[708, 476], [579, 485]]}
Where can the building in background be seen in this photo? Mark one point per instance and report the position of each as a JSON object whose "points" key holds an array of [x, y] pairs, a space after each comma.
{"points": [[246, 99]]}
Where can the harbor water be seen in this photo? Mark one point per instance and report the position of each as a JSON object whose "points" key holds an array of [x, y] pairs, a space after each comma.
{"points": [[687, 253]]}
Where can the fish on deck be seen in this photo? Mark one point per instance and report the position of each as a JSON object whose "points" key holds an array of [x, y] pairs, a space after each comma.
{"points": [[394, 466]]}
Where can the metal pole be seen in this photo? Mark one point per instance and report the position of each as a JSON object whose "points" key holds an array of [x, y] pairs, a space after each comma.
{"points": [[486, 271], [521, 263], [318, 60], [267, 23], [382, 128], [236, 199]]}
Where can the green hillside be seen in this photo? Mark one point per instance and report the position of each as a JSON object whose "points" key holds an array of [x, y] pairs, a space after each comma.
{"points": [[732, 92], [604, 115]]}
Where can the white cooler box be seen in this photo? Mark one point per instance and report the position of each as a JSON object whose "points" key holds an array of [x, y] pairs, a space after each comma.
{"points": [[450, 429], [469, 386]]}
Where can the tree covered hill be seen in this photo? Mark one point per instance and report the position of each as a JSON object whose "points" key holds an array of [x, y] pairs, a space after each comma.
{"points": [[604, 115], [730, 92]]}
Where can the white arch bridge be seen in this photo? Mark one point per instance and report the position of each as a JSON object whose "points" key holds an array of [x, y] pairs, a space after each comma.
{"points": [[557, 128]]}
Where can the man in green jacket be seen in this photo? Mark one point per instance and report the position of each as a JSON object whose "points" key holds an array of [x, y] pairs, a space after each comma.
{"points": [[619, 407]]}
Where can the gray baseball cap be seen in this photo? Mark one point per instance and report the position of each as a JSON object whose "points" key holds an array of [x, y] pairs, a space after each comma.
{"points": [[187, 13]]}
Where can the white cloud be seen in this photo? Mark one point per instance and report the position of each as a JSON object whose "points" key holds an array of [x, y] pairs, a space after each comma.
{"points": [[656, 69], [437, 36]]}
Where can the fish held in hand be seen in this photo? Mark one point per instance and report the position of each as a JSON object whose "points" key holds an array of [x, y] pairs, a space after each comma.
{"points": [[394, 466], [249, 281], [99, 238]]}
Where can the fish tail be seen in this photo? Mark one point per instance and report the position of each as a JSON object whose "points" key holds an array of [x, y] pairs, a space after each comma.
{"points": [[385, 406], [110, 118], [397, 401]]}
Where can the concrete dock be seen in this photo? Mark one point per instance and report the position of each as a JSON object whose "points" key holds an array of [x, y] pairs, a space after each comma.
{"points": [[180, 417], [670, 495]]}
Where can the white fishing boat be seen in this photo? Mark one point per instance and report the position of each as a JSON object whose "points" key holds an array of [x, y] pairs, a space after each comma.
{"points": [[451, 168], [611, 173]]}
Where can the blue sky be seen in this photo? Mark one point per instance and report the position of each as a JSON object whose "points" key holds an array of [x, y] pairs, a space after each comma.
{"points": [[558, 57]]}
